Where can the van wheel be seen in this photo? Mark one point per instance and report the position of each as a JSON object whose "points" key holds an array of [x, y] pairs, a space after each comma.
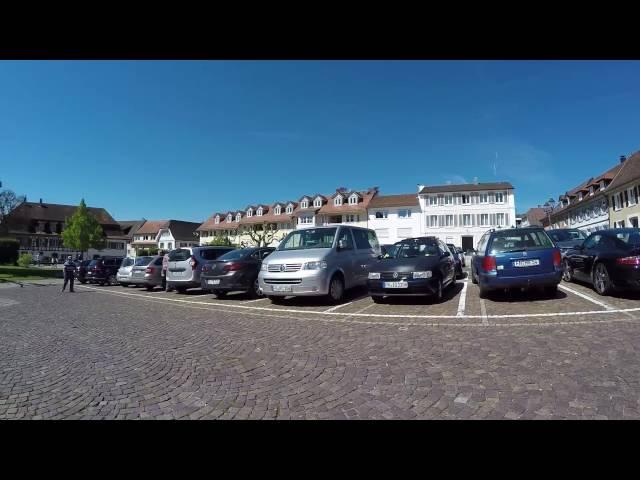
{"points": [[181, 290], [149, 288], [336, 289], [220, 293], [378, 299], [255, 291]]}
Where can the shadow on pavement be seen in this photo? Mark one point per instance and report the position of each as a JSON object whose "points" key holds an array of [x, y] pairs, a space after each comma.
{"points": [[447, 295], [512, 296]]}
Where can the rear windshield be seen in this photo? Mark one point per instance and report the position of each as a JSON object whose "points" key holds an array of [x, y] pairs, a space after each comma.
{"points": [[127, 262], [566, 235], [213, 253], [629, 238], [142, 261], [94, 263], [237, 254], [505, 242], [179, 255]]}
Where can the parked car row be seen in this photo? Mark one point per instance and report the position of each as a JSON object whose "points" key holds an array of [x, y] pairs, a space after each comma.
{"points": [[327, 261]]}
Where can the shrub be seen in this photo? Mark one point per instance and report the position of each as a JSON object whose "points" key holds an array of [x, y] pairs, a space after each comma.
{"points": [[9, 250], [25, 260]]}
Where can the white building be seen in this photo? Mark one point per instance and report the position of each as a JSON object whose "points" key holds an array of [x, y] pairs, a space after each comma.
{"points": [[165, 235], [461, 214], [394, 217]]}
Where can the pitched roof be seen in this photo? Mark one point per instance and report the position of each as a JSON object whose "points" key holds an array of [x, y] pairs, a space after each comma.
{"points": [[182, 230], [466, 187], [405, 199], [151, 227], [364, 198], [535, 215], [629, 171], [130, 227], [54, 212]]}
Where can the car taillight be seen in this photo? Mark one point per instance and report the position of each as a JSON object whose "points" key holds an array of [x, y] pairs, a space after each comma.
{"points": [[232, 267], [193, 262], [628, 260], [557, 258], [489, 263], [150, 270]]}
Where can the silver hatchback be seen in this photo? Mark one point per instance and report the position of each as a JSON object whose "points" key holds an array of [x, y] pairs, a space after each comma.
{"points": [[124, 272], [147, 271], [185, 265], [322, 261]]}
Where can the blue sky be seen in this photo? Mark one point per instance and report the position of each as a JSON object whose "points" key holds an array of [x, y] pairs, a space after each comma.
{"points": [[178, 139]]}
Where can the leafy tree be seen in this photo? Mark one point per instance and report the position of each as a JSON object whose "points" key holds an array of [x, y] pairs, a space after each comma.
{"points": [[221, 241], [262, 235], [83, 231], [9, 201], [25, 260]]}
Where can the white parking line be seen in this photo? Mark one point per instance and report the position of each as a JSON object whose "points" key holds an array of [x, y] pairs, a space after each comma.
{"points": [[483, 310], [256, 300], [376, 315], [463, 300], [586, 297], [338, 306]]}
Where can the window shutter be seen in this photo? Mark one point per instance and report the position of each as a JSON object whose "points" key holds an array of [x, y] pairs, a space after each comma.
{"points": [[506, 219]]}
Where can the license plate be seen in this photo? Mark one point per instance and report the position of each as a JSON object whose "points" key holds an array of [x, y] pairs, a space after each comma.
{"points": [[396, 285], [281, 288], [138, 274], [526, 263], [213, 282], [177, 274]]}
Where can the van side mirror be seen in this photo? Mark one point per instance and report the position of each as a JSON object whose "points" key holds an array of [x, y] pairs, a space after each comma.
{"points": [[342, 244], [446, 254]]}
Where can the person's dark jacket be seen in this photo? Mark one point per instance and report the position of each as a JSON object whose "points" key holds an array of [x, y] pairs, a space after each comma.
{"points": [[69, 269]]}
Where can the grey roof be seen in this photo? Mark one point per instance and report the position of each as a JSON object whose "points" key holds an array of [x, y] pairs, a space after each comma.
{"points": [[466, 187], [182, 230]]}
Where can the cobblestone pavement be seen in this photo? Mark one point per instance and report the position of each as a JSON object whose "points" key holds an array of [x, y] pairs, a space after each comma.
{"points": [[124, 353]]}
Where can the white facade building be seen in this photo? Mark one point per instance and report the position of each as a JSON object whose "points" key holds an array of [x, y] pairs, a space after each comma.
{"points": [[461, 214], [394, 217]]}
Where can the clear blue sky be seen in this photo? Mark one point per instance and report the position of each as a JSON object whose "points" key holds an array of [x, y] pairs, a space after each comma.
{"points": [[181, 139]]}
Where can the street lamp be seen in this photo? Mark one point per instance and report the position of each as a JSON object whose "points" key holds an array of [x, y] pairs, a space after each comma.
{"points": [[548, 208]]}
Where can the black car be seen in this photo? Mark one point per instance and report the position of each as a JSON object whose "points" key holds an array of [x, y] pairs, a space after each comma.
{"points": [[458, 257], [567, 238], [420, 266], [236, 270], [81, 270], [103, 270], [608, 259]]}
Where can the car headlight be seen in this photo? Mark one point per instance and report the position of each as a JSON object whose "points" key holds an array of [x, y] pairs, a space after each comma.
{"points": [[264, 266], [374, 275], [315, 265], [426, 274]]}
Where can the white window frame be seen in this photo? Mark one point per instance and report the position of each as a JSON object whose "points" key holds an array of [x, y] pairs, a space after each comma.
{"points": [[338, 201], [432, 221], [259, 212], [384, 213], [351, 218], [353, 200], [448, 220], [250, 212], [306, 220], [484, 196], [462, 198], [466, 220], [448, 199], [433, 200], [482, 217], [238, 217], [217, 219], [289, 209], [632, 194], [317, 202], [500, 220], [502, 195], [277, 210], [304, 203], [407, 211]]}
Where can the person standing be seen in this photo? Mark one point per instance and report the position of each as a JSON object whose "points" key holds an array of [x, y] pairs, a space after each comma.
{"points": [[69, 269]]}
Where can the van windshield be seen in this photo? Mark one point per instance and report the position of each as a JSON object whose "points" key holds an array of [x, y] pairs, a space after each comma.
{"points": [[311, 238], [514, 241]]}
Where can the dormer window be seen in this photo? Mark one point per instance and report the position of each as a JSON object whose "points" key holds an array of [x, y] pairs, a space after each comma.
{"points": [[289, 209], [603, 184], [217, 220], [304, 203], [229, 217], [238, 217], [259, 212], [591, 190], [353, 200], [277, 210], [317, 202], [250, 212], [580, 196], [337, 201]]}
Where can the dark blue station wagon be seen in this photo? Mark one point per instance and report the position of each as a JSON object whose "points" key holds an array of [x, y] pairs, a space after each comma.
{"points": [[516, 258]]}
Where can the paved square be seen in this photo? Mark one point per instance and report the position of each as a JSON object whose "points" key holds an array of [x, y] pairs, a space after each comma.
{"points": [[113, 352]]}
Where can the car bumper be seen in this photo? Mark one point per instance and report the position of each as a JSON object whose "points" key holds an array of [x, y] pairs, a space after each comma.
{"points": [[415, 287], [627, 277], [301, 283], [123, 279], [493, 282], [146, 280], [230, 282]]}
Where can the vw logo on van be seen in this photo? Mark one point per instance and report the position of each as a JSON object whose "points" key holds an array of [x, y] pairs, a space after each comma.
{"points": [[395, 274], [282, 267]]}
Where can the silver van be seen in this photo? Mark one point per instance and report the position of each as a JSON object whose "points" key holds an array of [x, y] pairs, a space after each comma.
{"points": [[321, 261], [185, 265]]}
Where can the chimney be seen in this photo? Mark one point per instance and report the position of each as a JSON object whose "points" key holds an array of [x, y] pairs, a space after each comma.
{"points": [[622, 158]]}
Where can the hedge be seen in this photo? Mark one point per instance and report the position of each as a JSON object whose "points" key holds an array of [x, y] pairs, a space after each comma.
{"points": [[9, 250]]}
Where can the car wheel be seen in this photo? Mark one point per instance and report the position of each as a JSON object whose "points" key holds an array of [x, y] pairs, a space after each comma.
{"points": [[474, 279], [220, 293], [149, 288], [437, 297], [125, 285], [277, 300], [551, 292], [567, 271], [83, 282], [378, 299], [255, 291], [181, 290], [336, 289], [483, 292], [601, 281], [112, 280]]}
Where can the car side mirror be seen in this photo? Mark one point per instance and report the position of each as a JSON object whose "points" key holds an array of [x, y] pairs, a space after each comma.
{"points": [[446, 254], [342, 244], [380, 257]]}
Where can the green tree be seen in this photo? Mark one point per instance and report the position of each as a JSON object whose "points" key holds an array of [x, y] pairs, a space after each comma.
{"points": [[9, 201], [221, 241], [25, 260], [83, 230]]}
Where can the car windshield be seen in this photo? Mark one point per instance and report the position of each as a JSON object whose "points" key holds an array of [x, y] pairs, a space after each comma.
{"points": [[127, 262], [311, 238], [566, 235], [236, 254], [390, 250], [631, 238], [419, 248], [505, 242], [142, 261], [94, 263]]}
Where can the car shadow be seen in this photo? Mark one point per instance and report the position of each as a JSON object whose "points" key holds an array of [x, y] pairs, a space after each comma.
{"points": [[351, 295], [447, 294], [621, 294], [519, 296]]}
